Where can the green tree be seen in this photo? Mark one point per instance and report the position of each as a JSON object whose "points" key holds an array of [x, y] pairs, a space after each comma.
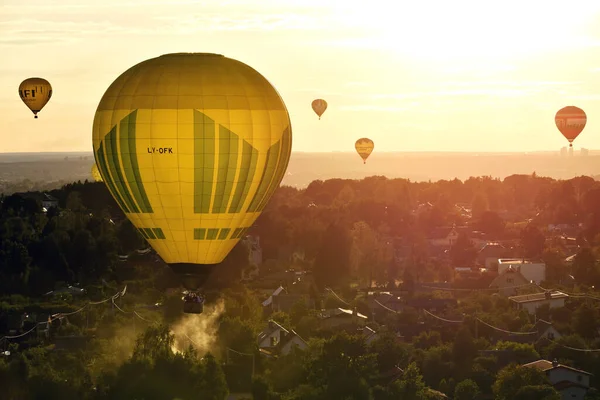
{"points": [[584, 266], [491, 223], [410, 386], [389, 352], [466, 390], [331, 266], [532, 242], [537, 392], [343, 368], [513, 378], [463, 253], [586, 321], [464, 349]]}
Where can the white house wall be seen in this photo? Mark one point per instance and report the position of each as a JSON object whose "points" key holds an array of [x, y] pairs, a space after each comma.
{"points": [[296, 341], [531, 271], [266, 342], [531, 306], [562, 374]]}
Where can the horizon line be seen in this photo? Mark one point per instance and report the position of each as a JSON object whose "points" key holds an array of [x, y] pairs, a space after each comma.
{"points": [[339, 152]]}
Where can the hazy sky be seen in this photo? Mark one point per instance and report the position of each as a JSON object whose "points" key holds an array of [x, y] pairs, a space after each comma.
{"points": [[460, 75]]}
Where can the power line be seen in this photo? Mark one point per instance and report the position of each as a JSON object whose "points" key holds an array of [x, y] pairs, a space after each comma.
{"points": [[444, 319], [61, 315], [476, 290], [574, 348], [338, 297]]}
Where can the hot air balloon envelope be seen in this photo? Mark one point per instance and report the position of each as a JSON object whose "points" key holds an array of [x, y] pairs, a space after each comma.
{"points": [[35, 93], [192, 146], [570, 121], [96, 174], [364, 147], [319, 106]]}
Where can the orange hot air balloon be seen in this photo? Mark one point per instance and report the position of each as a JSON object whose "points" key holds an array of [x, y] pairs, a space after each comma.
{"points": [[319, 106], [570, 121], [35, 93]]}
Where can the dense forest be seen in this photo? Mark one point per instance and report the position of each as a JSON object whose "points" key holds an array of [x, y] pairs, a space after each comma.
{"points": [[68, 329]]}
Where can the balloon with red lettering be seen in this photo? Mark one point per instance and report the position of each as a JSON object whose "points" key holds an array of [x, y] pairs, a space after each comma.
{"points": [[35, 93], [364, 147], [570, 121], [319, 106]]}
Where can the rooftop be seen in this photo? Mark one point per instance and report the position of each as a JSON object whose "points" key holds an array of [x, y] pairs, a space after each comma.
{"points": [[526, 298], [545, 365], [341, 312], [517, 261], [271, 328]]}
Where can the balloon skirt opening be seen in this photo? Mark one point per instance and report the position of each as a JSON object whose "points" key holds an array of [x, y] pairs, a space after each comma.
{"points": [[192, 276]]}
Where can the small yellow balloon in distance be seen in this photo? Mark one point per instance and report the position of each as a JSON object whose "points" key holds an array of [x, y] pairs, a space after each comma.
{"points": [[192, 147], [96, 173], [364, 147], [35, 93], [319, 106]]}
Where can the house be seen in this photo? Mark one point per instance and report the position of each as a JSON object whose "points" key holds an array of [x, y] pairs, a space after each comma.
{"points": [[479, 239], [464, 209], [368, 334], [532, 271], [569, 260], [546, 330], [284, 302], [531, 302], [47, 201], [340, 317], [254, 249], [269, 301], [443, 237], [422, 208], [280, 278], [508, 282], [489, 254], [277, 340], [571, 383]]}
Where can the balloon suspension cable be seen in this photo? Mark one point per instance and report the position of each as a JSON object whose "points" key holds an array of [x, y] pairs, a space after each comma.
{"points": [[193, 278]]}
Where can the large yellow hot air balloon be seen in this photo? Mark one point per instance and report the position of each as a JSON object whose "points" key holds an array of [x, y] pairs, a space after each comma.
{"points": [[364, 147], [192, 146], [35, 93], [319, 106], [96, 174]]}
